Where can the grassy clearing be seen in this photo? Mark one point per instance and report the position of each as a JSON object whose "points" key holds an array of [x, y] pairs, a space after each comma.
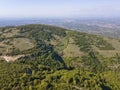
{"points": [[6, 46], [10, 33], [22, 43], [9, 42], [71, 49], [61, 44], [109, 53], [67, 47], [114, 42]]}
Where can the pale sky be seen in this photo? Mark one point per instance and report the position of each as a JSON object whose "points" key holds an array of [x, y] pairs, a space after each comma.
{"points": [[59, 8]]}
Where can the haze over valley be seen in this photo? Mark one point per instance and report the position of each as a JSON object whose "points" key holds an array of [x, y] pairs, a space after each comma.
{"points": [[109, 27], [60, 45]]}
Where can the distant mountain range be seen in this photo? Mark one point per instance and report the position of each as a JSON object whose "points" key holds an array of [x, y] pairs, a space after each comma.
{"points": [[105, 27]]}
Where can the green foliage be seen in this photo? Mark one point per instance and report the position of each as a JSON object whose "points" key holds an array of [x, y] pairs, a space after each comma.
{"points": [[86, 41], [44, 68], [75, 79]]}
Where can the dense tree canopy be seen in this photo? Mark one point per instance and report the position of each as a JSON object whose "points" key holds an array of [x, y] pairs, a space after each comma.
{"points": [[50, 63]]}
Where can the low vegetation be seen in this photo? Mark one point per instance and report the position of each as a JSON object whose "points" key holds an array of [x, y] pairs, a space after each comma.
{"points": [[42, 57]]}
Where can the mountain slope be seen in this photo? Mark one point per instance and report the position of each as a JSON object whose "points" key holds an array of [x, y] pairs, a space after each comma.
{"points": [[52, 58]]}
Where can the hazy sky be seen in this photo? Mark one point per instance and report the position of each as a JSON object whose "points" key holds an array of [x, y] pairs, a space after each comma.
{"points": [[59, 8]]}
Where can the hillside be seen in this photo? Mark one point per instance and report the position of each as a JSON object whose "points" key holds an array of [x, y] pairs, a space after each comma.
{"points": [[43, 57]]}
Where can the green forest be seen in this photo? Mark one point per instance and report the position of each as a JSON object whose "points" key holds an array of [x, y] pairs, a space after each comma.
{"points": [[44, 57]]}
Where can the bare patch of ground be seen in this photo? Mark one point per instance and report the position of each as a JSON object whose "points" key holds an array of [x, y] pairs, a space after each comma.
{"points": [[11, 58]]}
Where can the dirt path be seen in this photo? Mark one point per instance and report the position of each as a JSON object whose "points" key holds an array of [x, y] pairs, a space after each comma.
{"points": [[11, 58]]}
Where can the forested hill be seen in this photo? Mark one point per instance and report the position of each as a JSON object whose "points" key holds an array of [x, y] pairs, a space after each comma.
{"points": [[42, 57]]}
